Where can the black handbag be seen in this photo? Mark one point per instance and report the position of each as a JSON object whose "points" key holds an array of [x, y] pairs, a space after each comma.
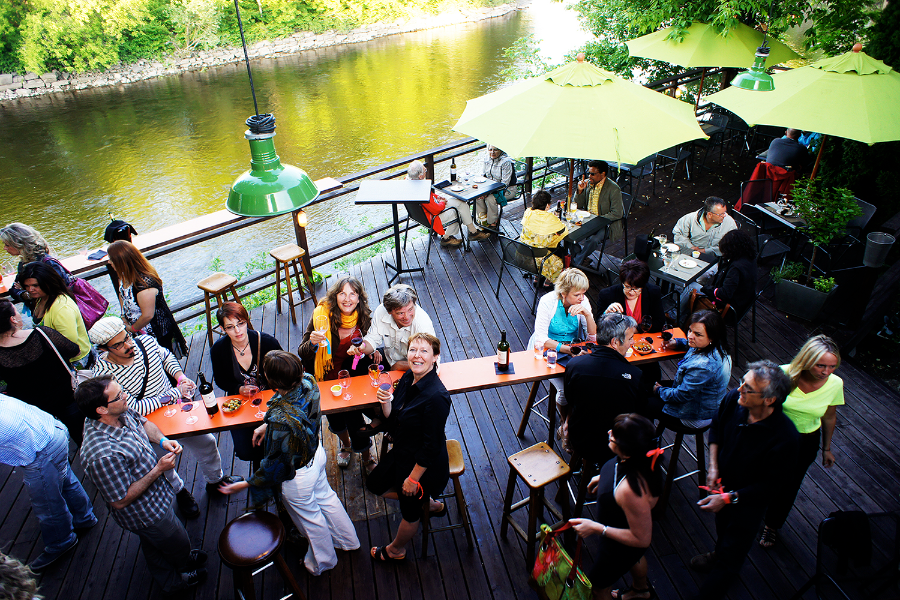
{"points": [[644, 245]]}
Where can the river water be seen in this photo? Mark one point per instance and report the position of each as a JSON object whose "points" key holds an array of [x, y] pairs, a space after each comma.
{"points": [[164, 151]]}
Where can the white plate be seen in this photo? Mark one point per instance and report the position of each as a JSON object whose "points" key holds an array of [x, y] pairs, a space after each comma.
{"points": [[456, 188], [582, 214], [672, 247], [479, 180], [687, 263]]}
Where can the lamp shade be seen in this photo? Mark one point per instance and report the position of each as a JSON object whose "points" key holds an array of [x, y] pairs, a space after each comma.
{"points": [[756, 79], [269, 188]]}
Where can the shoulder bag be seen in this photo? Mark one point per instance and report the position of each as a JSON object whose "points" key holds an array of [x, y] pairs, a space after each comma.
{"points": [[140, 395], [91, 303], [77, 375], [556, 576]]}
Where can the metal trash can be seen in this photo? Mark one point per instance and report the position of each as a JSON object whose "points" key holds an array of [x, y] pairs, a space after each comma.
{"points": [[878, 245]]}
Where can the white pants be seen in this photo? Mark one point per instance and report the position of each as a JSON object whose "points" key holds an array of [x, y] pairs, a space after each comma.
{"points": [[487, 210], [319, 515], [205, 450], [465, 216]]}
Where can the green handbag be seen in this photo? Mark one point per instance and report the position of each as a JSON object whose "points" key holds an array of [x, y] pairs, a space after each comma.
{"points": [[556, 576]]}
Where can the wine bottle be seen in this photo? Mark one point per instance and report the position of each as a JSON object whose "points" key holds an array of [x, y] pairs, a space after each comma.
{"points": [[503, 352], [452, 169], [209, 397]]}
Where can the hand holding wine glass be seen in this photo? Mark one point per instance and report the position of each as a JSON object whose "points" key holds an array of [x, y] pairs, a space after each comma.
{"points": [[357, 342], [321, 325]]}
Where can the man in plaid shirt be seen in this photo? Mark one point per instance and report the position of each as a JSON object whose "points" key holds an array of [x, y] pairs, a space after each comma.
{"points": [[118, 455]]}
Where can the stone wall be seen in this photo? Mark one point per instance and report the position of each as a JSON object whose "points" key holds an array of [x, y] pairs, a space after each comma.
{"points": [[14, 86]]}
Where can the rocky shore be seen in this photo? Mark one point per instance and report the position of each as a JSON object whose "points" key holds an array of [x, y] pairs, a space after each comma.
{"points": [[15, 86]]}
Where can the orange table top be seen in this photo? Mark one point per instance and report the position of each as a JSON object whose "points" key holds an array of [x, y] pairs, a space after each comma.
{"points": [[175, 426], [459, 377]]}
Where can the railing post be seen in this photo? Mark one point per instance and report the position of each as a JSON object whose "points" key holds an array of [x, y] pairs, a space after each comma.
{"points": [[529, 174], [298, 219], [429, 167]]}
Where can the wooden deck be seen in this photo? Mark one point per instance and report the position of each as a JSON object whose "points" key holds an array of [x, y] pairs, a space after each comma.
{"points": [[457, 290]]}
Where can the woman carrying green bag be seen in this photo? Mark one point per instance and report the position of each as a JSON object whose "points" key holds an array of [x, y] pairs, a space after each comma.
{"points": [[624, 510]]}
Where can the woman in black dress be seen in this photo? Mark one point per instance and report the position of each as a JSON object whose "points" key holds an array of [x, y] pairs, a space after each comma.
{"points": [[624, 509], [236, 360], [417, 467]]}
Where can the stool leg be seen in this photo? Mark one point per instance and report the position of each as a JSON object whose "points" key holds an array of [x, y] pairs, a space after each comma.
{"points": [[234, 294], [290, 292], [463, 509], [527, 412], [278, 286], [309, 281], [208, 319], [297, 278], [289, 577], [426, 526], [243, 581], [701, 463], [551, 415], [587, 473], [670, 474], [507, 502], [535, 503]]}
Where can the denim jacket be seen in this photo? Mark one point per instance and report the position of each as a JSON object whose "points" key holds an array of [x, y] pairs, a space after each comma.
{"points": [[700, 384]]}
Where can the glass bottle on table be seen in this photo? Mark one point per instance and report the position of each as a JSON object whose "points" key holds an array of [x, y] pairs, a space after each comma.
{"points": [[208, 395], [503, 352]]}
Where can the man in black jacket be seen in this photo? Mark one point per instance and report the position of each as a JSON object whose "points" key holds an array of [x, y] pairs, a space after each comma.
{"points": [[600, 386], [752, 444]]}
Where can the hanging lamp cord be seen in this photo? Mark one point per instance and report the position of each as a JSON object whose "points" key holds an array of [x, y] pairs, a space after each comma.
{"points": [[257, 123]]}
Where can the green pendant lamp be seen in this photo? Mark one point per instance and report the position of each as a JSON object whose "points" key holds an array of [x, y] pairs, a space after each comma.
{"points": [[268, 188], [756, 79]]}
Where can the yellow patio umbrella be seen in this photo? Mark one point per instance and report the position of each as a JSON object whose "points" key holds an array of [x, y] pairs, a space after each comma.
{"points": [[579, 110], [852, 95]]}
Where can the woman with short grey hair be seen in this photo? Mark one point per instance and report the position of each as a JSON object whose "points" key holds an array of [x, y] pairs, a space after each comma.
{"points": [[28, 244]]}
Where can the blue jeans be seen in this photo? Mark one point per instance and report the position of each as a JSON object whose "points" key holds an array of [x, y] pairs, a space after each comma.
{"points": [[57, 497]]}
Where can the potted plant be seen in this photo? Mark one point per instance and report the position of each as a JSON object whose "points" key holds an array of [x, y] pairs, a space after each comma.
{"points": [[826, 213]]}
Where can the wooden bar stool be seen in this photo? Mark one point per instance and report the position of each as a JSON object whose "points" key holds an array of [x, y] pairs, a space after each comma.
{"points": [[537, 466], [682, 428], [252, 543], [290, 255], [217, 286], [457, 468]]}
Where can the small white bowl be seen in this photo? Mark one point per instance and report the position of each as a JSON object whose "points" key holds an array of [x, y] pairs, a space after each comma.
{"points": [[336, 390]]}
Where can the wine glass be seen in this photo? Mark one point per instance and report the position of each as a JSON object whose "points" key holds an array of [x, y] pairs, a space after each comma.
{"points": [[321, 324], [646, 323], [188, 407], [257, 402], [374, 372], [385, 382], [171, 410], [662, 239], [344, 378], [356, 341]]}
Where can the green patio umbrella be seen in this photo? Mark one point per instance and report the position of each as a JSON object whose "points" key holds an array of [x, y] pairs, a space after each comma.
{"points": [[579, 111], [852, 96], [703, 46]]}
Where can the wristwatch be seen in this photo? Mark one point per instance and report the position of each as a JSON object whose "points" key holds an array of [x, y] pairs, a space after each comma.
{"points": [[734, 497]]}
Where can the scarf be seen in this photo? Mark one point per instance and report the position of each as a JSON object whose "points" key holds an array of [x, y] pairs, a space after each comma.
{"points": [[324, 358]]}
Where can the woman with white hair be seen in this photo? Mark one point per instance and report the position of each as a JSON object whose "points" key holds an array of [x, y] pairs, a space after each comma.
{"points": [[30, 246]]}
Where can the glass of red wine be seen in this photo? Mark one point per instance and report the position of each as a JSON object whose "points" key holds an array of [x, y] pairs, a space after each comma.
{"points": [[356, 341], [646, 324], [385, 382]]}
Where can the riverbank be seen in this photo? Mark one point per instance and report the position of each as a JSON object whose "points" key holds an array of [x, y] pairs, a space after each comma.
{"points": [[14, 86]]}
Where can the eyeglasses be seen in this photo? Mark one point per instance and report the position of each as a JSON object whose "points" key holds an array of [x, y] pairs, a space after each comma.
{"points": [[118, 397], [629, 288], [747, 389], [235, 327], [721, 214], [119, 345]]}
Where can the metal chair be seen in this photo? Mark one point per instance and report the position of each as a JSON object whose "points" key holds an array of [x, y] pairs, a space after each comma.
{"points": [[755, 191], [524, 258], [675, 155], [716, 139], [767, 246], [639, 171], [415, 212]]}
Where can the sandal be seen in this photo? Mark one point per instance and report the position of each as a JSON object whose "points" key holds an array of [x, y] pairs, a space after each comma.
{"points": [[343, 457], [369, 430], [440, 513], [638, 594], [380, 554], [768, 537], [370, 464]]}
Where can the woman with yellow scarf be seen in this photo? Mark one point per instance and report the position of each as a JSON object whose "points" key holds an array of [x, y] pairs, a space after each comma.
{"points": [[346, 308], [542, 229]]}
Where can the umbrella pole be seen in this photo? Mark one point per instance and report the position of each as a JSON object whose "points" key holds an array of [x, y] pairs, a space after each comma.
{"points": [[700, 91], [818, 158], [571, 177]]}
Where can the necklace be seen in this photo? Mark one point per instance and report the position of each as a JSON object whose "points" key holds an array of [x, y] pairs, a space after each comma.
{"points": [[241, 352]]}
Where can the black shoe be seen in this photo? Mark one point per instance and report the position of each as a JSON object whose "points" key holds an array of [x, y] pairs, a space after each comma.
{"points": [[213, 488], [703, 562], [80, 531], [187, 504], [198, 559], [193, 578], [45, 559]]}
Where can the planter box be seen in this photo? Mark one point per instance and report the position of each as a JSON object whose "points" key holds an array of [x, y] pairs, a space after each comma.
{"points": [[800, 301]]}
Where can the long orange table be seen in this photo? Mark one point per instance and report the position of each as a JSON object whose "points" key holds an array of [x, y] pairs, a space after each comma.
{"points": [[459, 377]]}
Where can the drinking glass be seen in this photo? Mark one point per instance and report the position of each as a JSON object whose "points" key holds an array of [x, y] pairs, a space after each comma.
{"points": [[321, 324], [662, 239], [171, 411], [646, 323], [374, 372], [551, 358], [257, 402], [344, 378], [385, 382], [538, 351], [188, 407]]}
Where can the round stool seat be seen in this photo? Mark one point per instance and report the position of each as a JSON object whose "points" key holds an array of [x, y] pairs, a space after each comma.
{"points": [[216, 283], [250, 539], [287, 253], [690, 426], [457, 465]]}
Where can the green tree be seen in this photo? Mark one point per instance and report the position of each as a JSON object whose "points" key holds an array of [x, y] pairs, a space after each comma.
{"points": [[76, 35], [196, 23], [12, 12]]}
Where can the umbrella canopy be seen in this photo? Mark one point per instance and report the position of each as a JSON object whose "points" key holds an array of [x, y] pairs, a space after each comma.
{"points": [[703, 46], [852, 96], [579, 110]]}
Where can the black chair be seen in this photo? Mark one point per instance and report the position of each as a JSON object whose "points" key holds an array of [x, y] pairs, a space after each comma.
{"points": [[525, 259], [755, 191], [716, 139], [767, 246], [415, 212], [676, 155], [639, 171], [856, 226], [857, 553], [737, 130]]}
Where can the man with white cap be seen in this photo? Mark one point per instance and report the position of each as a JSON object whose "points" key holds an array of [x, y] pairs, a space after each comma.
{"points": [[140, 365]]}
